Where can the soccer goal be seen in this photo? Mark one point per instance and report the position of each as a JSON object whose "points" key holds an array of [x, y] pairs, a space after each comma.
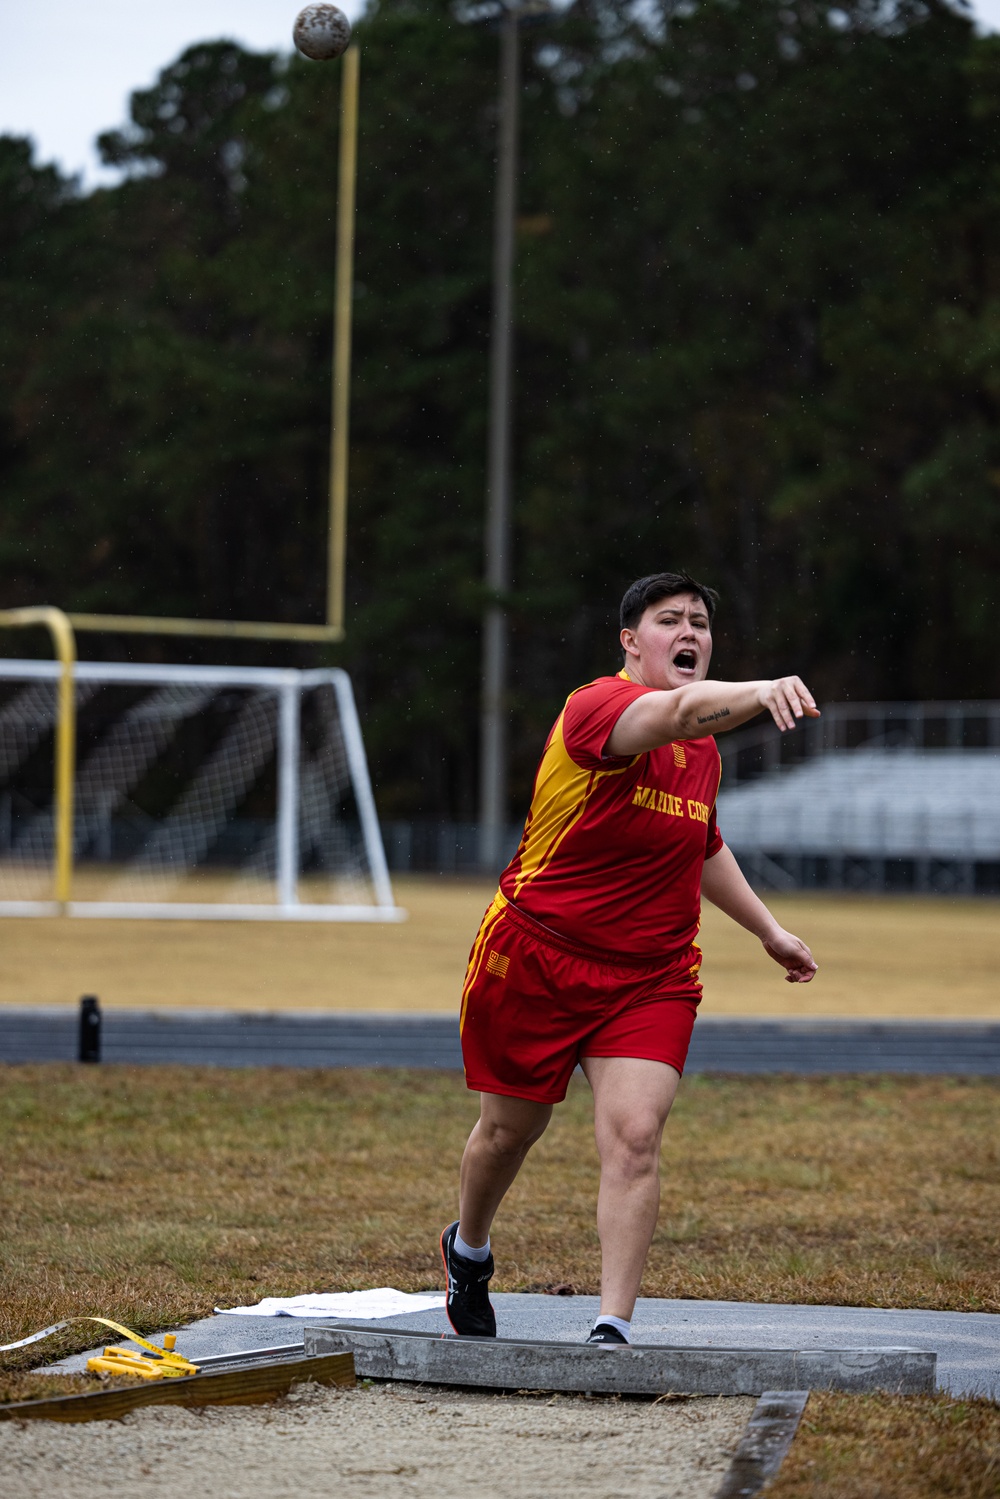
{"points": [[199, 792]]}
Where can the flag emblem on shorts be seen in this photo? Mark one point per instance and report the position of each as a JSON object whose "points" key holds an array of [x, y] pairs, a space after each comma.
{"points": [[680, 758], [498, 964]]}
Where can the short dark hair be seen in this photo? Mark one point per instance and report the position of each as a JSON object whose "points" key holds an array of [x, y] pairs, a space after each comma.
{"points": [[644, 592]]}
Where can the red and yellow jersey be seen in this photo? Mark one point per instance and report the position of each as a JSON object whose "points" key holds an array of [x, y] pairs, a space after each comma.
{"points": [[612, 851]]}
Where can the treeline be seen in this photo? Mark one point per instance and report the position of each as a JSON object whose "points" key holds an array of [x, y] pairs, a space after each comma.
{"points": [[758, 328]]}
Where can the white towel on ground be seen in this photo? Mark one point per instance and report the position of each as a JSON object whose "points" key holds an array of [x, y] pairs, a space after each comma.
{"points": [[383, 1302]]}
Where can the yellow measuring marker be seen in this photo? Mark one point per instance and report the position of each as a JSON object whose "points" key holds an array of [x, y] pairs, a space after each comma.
{"points": [[165, 1363]]}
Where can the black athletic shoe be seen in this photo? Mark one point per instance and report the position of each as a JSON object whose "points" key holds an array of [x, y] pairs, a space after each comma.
{"points": [[469, 1310], [608, 1336]]}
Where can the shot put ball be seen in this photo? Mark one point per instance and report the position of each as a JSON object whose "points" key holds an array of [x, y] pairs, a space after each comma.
{"points": [[321, 32]]}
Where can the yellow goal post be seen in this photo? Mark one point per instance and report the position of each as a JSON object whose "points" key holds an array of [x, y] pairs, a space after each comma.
{"points": [[62, 625], [333, 630], [64, 645]]}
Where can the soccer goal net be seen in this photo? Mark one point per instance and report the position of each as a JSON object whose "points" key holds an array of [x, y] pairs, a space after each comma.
{"points": [[219, 792]]}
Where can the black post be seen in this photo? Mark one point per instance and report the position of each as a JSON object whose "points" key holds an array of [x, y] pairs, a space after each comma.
{"points": [[90, 1029], [493, 713]]}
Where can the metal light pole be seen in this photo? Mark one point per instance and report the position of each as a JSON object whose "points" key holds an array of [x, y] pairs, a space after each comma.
{"points": [[493, 719], [341, 394]]}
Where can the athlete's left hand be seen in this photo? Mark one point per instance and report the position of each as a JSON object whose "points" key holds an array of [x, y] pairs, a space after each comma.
{"points": [[793, 955]]}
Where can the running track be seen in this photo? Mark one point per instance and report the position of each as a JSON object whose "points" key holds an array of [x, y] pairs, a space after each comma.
{"points": [[225, 1038]]}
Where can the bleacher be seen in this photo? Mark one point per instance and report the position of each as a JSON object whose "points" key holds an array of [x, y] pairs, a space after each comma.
{"points": [[872, 796], [848, 808]]}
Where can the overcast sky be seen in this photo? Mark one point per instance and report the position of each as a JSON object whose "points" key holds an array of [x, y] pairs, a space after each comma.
{"points": [[67, 68]]}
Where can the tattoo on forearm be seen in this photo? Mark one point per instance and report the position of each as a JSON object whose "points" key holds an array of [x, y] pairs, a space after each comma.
{"points": [[711, 717]]}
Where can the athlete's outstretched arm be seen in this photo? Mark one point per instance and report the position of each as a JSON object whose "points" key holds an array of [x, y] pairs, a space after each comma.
{"points": [[702, 708], [723, 883]]}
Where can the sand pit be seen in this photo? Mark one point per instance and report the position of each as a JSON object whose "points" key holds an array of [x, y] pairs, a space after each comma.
{"points": [[879, 957], [384, 1441]]}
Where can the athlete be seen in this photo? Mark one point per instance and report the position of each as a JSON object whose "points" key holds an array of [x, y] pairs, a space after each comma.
{"points": [[587, 953]]}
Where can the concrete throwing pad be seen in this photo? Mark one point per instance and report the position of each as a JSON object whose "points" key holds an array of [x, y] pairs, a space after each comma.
{"points": [[967, 1343], [501, 1363]]}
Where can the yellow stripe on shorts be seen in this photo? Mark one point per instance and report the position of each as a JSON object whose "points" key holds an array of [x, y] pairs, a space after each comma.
{"points": [[494, 912]]}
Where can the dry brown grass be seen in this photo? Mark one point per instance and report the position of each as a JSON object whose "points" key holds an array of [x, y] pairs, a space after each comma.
{"points": [[893, 1447], [22, 1385], [927, 957], [245, 965], [151, 1195], [878, 957]]}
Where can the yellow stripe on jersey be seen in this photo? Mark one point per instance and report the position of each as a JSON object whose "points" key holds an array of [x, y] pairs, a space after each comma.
{"points": [[562, 792]]}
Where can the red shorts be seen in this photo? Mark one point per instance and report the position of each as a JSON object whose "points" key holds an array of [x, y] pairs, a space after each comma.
{"points": [[534, 1003]]}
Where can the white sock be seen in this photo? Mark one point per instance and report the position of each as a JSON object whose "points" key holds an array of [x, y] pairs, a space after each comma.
{"points": [[468, 1252], [618, 1323]]}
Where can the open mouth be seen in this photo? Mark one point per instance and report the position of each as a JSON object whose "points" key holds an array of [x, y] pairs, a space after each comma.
{"points": [[685, 661]]}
